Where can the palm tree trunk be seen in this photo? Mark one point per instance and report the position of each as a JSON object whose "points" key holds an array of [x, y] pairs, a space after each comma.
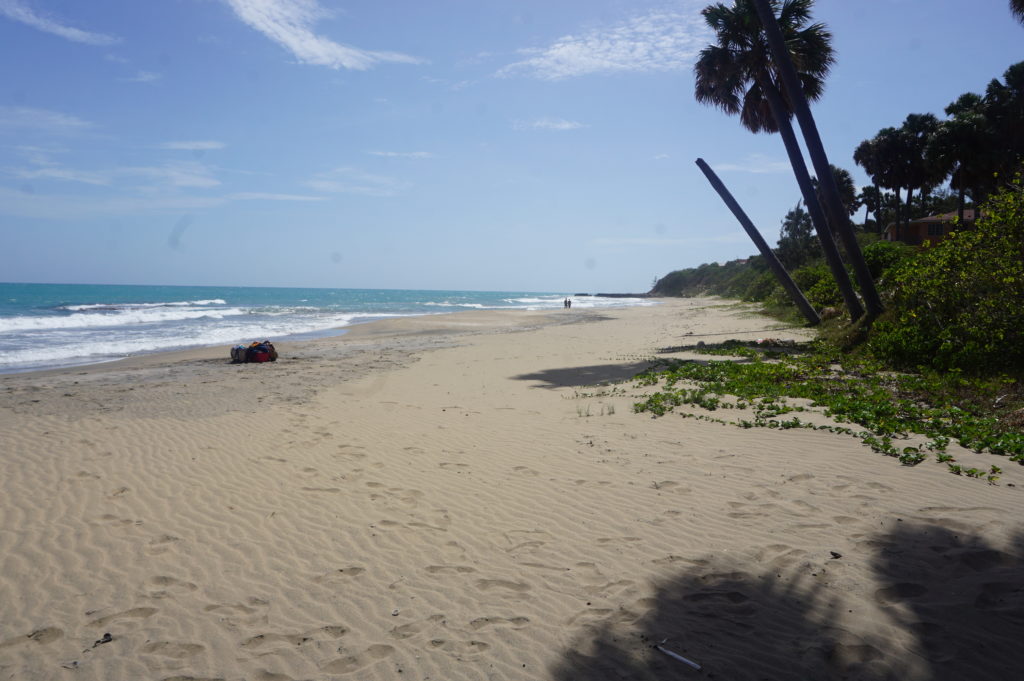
{"points": [[897, 221], [773, 262], [961, 191], [838, 217], [803, 179], [906, 219], [878, 208]]}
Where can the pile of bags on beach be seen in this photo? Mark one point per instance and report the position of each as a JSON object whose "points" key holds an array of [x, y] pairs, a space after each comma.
{"points": [[257, 351]]}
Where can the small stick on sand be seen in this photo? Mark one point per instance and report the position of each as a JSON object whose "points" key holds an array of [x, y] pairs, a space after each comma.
{"points": [[677, 656]]}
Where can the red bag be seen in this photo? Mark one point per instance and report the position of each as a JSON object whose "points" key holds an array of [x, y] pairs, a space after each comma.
{"points": [[259, 356]]}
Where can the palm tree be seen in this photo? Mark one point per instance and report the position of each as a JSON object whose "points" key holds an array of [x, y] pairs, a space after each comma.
{"points": [[883, 158], [919, 173], [786, 60], [963, 146], [1017, 7], [847, 188], [737, 74]]}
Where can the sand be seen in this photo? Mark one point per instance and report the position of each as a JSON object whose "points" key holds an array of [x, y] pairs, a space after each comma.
{"points": [[455, 497]]}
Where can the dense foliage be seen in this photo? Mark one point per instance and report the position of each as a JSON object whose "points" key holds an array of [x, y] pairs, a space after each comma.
{"points": [[960, 303]]}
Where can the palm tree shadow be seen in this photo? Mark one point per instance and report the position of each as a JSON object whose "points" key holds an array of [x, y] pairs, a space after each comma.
{"points": [[735, 625], [949, 607], [961, 596], [571, 377]]}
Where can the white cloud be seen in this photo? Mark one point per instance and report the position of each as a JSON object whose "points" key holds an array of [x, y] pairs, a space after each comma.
{"points": [[661, 157], [24, 117], [290, 24], [354, 181], [37, 204], [67, 174], [755, 163], [402, 154], [548, 124], [143, 77], [19, 11], [197, 145], [263, 196], [657, 41]]}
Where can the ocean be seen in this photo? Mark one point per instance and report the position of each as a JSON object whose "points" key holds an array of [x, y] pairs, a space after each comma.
{"points": [[46, 326]]}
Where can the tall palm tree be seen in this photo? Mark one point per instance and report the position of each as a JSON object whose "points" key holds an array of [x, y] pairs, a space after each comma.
{"points": [[786, 62], [737, 74], [919, 172], [965, 146]]}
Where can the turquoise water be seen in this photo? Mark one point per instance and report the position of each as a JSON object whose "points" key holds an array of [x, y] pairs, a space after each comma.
{"points": [[53, 325]]}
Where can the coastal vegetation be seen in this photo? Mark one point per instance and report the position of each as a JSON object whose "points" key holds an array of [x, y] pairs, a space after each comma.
{"points": [[941, 359]]}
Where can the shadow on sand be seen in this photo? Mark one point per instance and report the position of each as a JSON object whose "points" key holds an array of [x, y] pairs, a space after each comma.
{"points": [[572, 377], [944, 607]]}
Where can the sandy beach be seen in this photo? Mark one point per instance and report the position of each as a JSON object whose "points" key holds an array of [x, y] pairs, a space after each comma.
{"points": [[471, 496]]}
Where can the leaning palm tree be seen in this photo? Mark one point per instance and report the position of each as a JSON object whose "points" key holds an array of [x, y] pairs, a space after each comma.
{"points": [[786, 62], [737, 74]]}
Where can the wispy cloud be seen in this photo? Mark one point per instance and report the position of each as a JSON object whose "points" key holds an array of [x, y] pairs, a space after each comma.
{"points": [[264, 196], [58, 173], [755, 163], [656, 41], [181, 174], [28, 118], [730, 237], [354, 181], [290, 24], [548, 124], [402, 154], [196, 145], [661, 157], [143, 77], [19, 11]]}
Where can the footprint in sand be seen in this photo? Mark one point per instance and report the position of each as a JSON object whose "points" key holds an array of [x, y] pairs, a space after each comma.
{"points": [[161, 544], [234, 613], [449, 569], [502, 585], [39, 636], [900, 592], [339, 574], [161, 586], [610, 589], [168, 654], [353, 663], [485, 622], [133, 614], [263, 640], [411, 629], [171, 649], [458, 649]]}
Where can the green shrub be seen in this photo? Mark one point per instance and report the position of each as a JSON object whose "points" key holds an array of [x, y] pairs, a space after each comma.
{"points": [[960, 303], [881, 256]]}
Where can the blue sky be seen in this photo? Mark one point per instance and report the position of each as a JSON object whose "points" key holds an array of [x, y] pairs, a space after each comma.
{"points": [[457, 144]]}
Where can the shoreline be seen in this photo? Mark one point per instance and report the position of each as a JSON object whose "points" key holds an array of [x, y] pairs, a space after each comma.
{"points": [[372, 318], [456, 496]]}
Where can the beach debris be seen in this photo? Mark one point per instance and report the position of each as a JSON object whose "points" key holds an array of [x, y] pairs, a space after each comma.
{"points": [[107, 638], [394, 613], [70, 665], [836, 555], [676, 656]]}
